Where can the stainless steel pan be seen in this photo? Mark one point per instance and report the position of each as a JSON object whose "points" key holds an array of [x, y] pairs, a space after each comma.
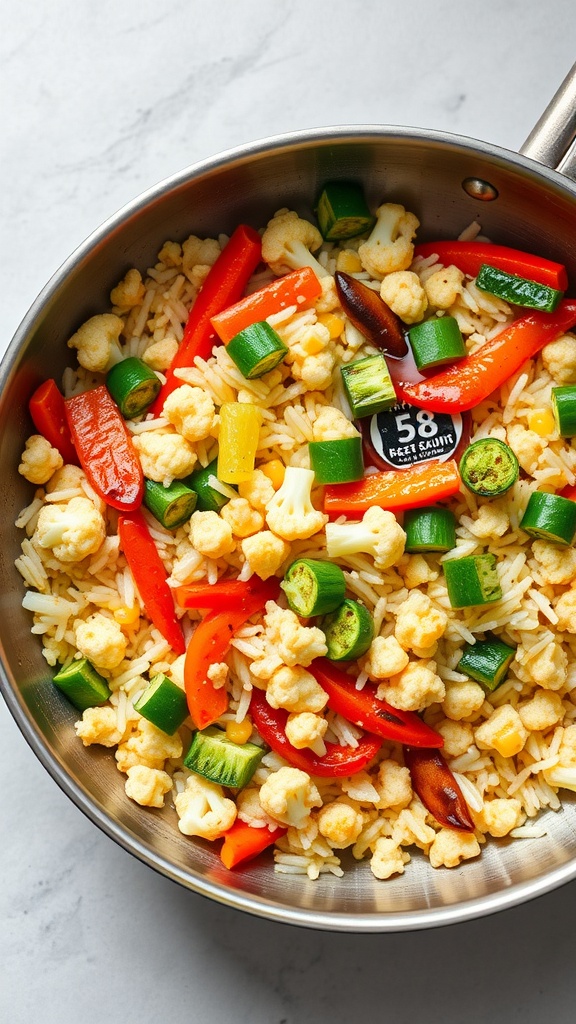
{"points": [[526, 200]]}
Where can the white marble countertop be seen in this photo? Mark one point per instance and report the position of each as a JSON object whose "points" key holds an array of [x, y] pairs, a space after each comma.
{"points": [[99, 102]]}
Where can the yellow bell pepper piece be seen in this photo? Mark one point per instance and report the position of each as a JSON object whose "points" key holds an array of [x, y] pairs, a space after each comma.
{"points": [[240, 424]]}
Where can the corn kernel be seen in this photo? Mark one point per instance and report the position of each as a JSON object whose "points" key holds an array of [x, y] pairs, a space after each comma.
{"points": [[508, 742], [238, 732], [312, 345], [127, 616], [334, 324], [349, 262], [541, 421], [275, 471]]}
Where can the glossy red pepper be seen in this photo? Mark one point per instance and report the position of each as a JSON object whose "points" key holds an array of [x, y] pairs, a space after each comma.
{"points": [[224, 284], [48, 413], [105, 449], [469, 257], [149, 574], [470, 381], [225, 594], [298, 288], [363, 708], [243, 842], [338, 761], [209, 645], [437, 788], [395, 489]]}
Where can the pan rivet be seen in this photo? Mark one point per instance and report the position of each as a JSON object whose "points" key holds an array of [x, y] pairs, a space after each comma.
{"points": [[477, 188]]}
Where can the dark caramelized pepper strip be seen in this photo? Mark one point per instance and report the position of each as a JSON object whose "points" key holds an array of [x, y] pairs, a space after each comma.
{"points": [[370, 315], [437, 788]]}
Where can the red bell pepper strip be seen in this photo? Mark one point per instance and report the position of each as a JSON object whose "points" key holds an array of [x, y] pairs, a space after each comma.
{"points": [[469, 257], [336, 762], [224, 284], [224, 595], [297, 288], [105, 449], [48, 414], [150, 576], [363, 708], [437, 788], [208, 646], [569, 492], [243, 842], [465, 384], [395, 489]]}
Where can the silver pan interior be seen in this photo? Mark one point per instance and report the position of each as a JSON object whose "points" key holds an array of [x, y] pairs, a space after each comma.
{"points": [[535, 210]]}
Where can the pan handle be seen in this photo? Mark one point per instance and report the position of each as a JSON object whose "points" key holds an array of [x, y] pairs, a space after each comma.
{"points": [[552, 140]]}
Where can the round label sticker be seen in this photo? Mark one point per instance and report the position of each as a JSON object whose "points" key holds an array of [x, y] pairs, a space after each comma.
{"points": [[405, 435]]}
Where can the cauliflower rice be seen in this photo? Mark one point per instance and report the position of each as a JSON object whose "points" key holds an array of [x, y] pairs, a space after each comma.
{"points": [[82, 597]]}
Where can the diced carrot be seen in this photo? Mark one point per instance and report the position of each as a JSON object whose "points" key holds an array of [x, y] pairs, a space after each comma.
{"points": [[423, 484], [242, 842], [298, 288]]}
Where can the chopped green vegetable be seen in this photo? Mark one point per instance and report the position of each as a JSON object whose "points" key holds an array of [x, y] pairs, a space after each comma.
{"points": [[550, 517], [472, 580], [171, 505], [489, 467], [368, 385], [256, 350], [163, 703], [564, 405], [209, 497], [487, 661], [82, 684], [517, 290], [349, 631], [338, 461], [220, 760], [429, 529], [313, 586], [133, 386], [342, 211], [436, 341]]}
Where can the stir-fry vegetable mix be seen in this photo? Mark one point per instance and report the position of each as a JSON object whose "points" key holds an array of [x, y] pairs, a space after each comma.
{"points": [[271, 697]]}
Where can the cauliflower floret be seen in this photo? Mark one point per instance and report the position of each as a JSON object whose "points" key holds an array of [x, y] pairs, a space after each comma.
{"points": [[159, 355], [164, 456], [39, 460], [378, 534], [296, 644], [288, 796], [388, 858], [548, 669], [296, 691], [210, 535], [290, 513], [385, 658], [251, 811], [419, 625], [71, 530], [415, 688], [492, 521], [542, 711], [410, 827], [499, 816], [450, 847], [503, 732], [405, 295], [444, 286], [265, 553], [527, 446], [305, 729], [458, 737], [340, 823], [130, 291], [415, 571], [288, 243], [191, 411], [394, 786], [559, 358], [198, 251], [563, 774], [316, 370], [170, 254], [147, 746], [97, 342], [243, 520], [258, 490], [68, 478], [99, 725], [101, 640], [203, 810], [147, 786], [331, 425], [462, 700], [565, 609], [328, 300], [557, 565], [389, 246]]}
